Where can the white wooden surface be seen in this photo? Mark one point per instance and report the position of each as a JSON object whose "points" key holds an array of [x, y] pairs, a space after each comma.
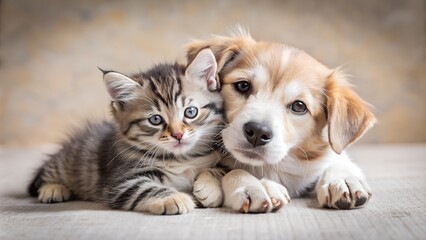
{"points": [[397, 174]]}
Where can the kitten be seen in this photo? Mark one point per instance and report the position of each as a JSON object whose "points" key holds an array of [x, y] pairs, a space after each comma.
{"points": [[148, 157]]}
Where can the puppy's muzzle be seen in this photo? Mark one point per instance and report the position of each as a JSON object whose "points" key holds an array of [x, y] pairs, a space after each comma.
{"points": [[257, 134]]}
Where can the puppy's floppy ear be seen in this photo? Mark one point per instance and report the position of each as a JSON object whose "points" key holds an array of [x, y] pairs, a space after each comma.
{"points": [[347, 114]]}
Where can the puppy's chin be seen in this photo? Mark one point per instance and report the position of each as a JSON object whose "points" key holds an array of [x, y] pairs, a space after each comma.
{"points": [[250, 157]]}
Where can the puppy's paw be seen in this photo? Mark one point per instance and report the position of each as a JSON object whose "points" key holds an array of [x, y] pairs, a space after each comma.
{"points": [[245, 193], [249, 199], [343, 193], [207, 190], [53, 193], [277, 193], [178, 203]]}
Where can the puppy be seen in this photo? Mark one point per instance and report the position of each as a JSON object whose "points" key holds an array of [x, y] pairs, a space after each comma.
{"points": [[289, 120]]}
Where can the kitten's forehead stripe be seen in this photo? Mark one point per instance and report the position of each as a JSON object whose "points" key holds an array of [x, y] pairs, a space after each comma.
{"points": [[183, 101], [179, 85], [165, 82], [156, 104], [155, 91]]}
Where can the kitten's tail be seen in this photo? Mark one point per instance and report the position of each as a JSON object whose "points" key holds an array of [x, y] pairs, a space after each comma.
{"points": [[36, 183]]}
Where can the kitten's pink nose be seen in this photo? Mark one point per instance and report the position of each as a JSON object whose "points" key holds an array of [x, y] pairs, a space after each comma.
{"points": [[178, 136]]}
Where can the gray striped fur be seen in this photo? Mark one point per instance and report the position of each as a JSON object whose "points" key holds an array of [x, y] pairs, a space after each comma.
{"points": [[129, 163]]}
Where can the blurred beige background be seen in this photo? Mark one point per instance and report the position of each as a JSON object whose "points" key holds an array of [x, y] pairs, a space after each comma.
{"points": [[50, 50]]}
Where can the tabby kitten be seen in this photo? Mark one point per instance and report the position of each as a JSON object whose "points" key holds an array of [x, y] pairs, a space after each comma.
{"points": [[147, 158]]}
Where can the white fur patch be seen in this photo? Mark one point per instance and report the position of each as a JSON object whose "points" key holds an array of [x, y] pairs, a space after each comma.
{"points": [[285, 57], [293, 90], [261, 76], [296, 90]]}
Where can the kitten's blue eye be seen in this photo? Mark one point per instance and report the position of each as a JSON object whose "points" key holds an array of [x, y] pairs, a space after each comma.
{"points": [[191, 112], [155, 119]]}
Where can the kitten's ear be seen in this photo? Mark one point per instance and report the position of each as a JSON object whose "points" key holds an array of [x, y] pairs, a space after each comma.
{"points": [[348, 115], [225, 49], [120, 87], [203, 69]]}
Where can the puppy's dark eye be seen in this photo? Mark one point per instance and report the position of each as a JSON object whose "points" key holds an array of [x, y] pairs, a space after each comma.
{"points": [[191, 112], [242, 86], [155, 119], [298, 107]]}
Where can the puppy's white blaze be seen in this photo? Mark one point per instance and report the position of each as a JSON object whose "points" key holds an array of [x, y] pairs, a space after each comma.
{"points": [[293, 90], [285, 57], [261, 76], [263, 108], [119, 86]]}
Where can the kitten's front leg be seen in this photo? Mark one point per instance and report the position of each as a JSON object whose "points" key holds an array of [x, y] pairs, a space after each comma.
{"points": [[343, 186], [245, 193], [146, 195], [207, 188]]}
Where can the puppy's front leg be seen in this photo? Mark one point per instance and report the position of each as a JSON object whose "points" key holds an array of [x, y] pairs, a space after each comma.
{"points": [[245, 193], [343, 186]]}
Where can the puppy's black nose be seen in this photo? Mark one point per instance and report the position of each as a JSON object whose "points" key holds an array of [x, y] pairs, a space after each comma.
{"points": [[257, 134]]}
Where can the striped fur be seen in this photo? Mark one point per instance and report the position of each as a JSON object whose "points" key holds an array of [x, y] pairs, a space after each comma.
{"points": [[130, 163]]}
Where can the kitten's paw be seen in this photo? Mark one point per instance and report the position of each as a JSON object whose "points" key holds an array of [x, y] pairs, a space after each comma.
{"points": [[207, 190], [343, 193], [277, 193], [53, 193], [178, 203]]}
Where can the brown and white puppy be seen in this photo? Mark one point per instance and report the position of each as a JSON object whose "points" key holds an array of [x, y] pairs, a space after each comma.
{"points": [[289, 120]]}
